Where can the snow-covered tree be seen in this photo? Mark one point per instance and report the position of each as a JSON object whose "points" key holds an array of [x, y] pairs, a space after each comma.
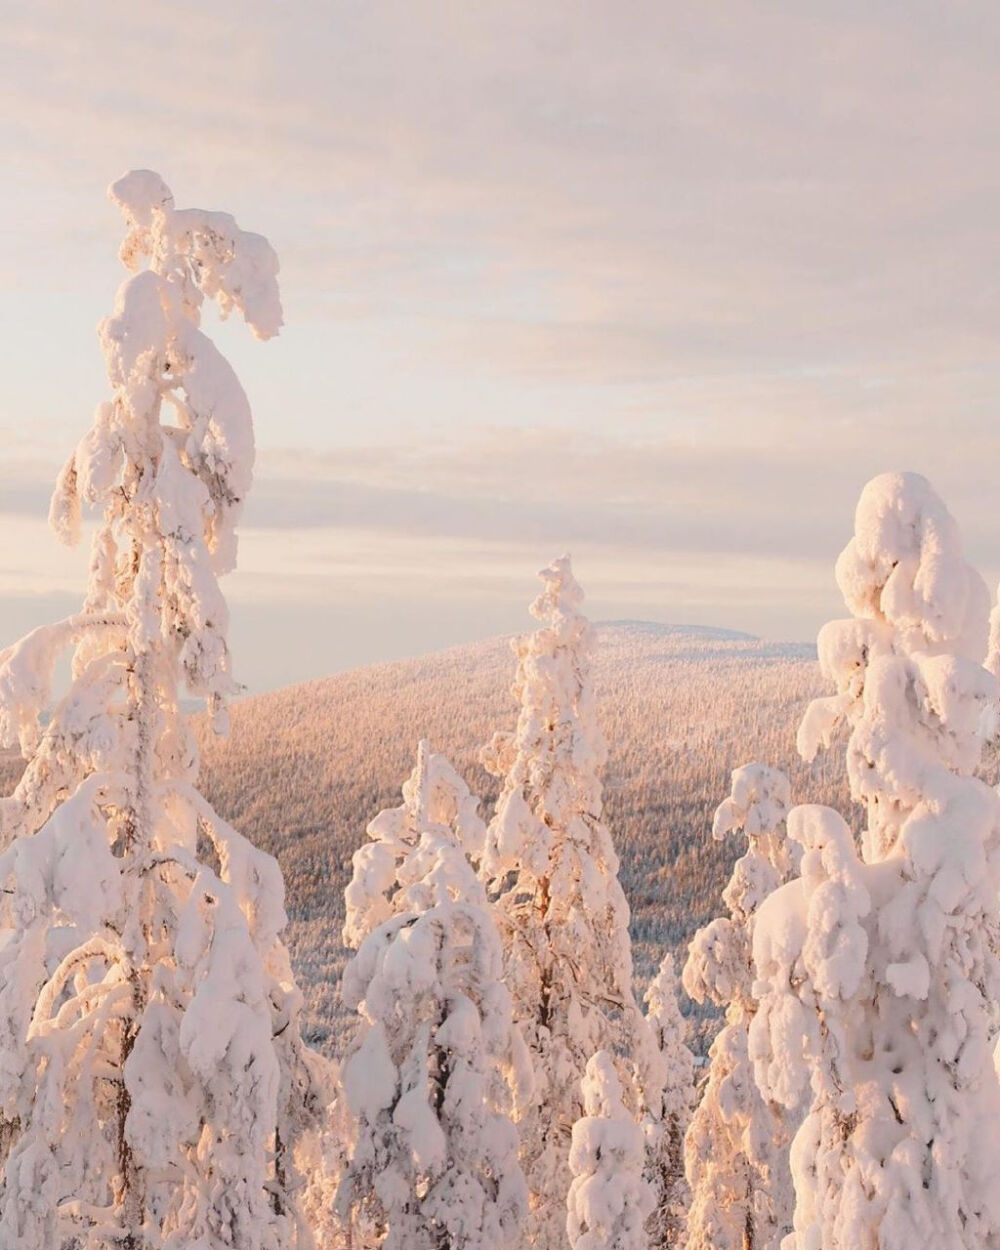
{"points": [[432, 1159], [608, 1200], [152, 1077], [553, 874], [810, 949], [736, 1146], [670, 1095], [419, 853], [879, 974], [321, 1157]]}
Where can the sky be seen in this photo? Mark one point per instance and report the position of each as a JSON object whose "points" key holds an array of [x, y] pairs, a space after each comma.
{"points": [[661, 284]]}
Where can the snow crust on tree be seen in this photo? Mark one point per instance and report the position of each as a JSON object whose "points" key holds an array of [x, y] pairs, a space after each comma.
{"points": [[321, 1157], [878, 972], [608, 1200], [153, 1080], [432, 1155], [419, 853], [669, 1102], [553, 875], [735, 1150]]}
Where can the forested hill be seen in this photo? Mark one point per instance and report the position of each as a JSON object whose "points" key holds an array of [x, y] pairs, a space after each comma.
{"points": [[306, 768]]}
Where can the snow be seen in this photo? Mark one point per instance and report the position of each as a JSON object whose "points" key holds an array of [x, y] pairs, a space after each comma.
{"points": [[552, 873], [878, 972], [502, 1086], [154, 1077], [608, 1201], [667, 1073], [436, 1065], [735, 1149]]}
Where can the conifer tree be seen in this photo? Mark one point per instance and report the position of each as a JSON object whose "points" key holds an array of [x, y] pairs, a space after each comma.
{"points": [[432, 1156], [553, 874], [737, 1144], [670, 1086], [879, 974], [437, 829], [152, 1076], [608, 1200]]}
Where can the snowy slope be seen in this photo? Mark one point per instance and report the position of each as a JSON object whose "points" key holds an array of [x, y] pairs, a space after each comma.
{"points": [[306, 767]]}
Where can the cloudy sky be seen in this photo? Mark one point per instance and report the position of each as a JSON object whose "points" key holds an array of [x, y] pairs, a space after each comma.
{"points": [[659, 283]]}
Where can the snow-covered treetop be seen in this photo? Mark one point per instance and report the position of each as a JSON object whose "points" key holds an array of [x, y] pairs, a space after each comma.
{"points": [[168, 460], [917, 640], [905, 567], [672, 1063], [718, 963], [608, 1200], [419, 853], [602, 1090], [557, 748], [757, 807], [757, 804], [170, 490], [205, 253], [156, 353]]}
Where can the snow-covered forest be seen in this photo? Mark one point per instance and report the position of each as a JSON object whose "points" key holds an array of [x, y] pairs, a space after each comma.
{"points": [[613, 938]]}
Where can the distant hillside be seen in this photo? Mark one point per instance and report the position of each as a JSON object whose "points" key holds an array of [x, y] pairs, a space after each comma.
{"points": [[306, 768]]}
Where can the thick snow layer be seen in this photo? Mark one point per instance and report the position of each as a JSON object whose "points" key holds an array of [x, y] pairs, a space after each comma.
{"points": [[878, 973], [735, 1149], [154, 1080], [428, 1085], [553, 871], [608, 1200]]}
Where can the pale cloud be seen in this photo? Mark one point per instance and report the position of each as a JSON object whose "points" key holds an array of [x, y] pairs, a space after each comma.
{"points": [[663, 282]]}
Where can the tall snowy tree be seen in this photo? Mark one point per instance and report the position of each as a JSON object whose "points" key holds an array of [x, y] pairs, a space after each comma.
{"points": [[553, 873], [670, 1095], [879, 974], [608, 1200], [432, 1158], [737, 1144], [152, 1077]]}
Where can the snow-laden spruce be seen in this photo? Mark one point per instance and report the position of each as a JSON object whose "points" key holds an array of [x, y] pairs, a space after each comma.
{"points": [[736, 1148], [608, 1200], [432, 1158], [879, 974], [553, 874], [152, 1077], [670, 1081], [418, 853]]}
